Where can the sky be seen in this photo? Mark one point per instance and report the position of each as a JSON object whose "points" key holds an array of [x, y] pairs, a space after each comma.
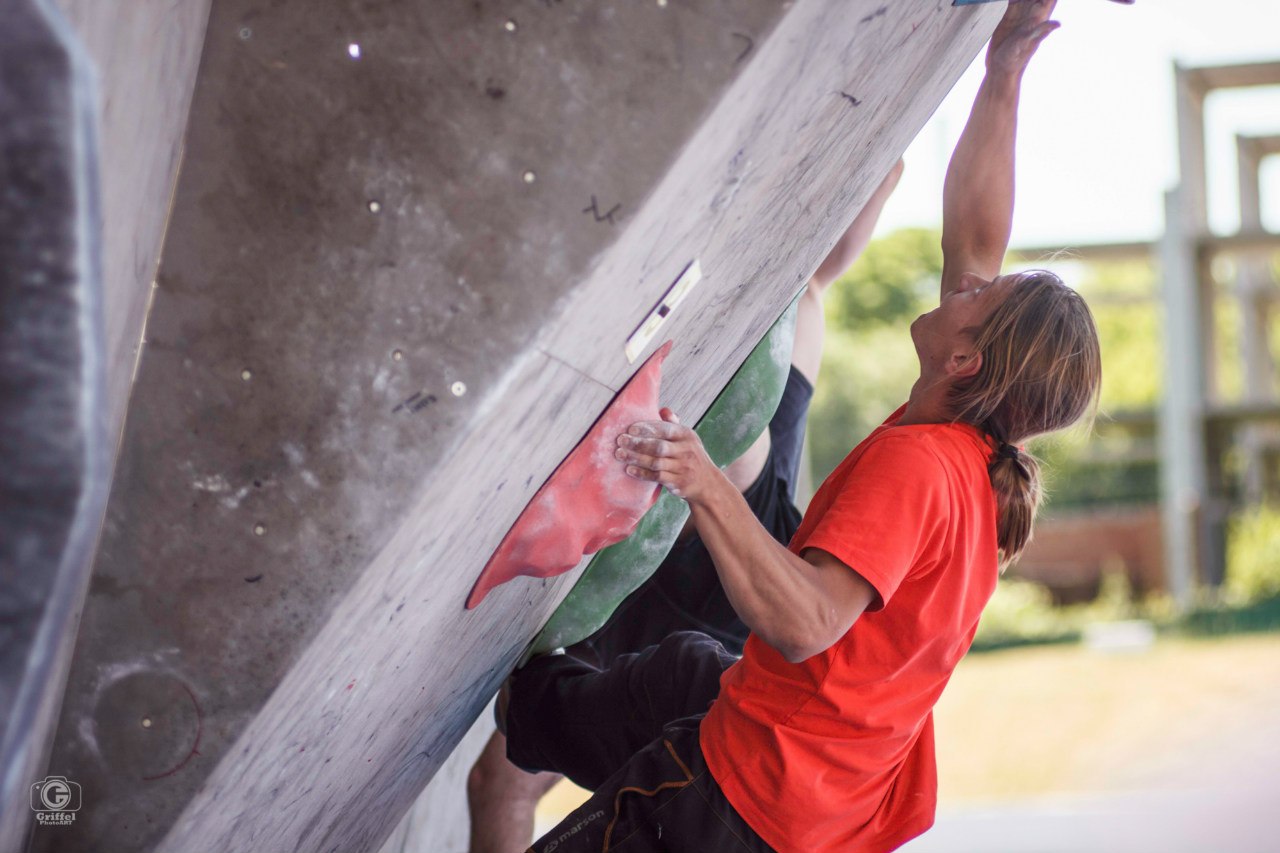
{"points": [[1097, 144]]}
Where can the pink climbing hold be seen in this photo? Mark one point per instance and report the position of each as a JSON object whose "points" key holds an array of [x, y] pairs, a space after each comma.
{"points": [[589, 502]]}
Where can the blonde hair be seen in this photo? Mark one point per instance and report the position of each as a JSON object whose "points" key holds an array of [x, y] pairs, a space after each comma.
{"points": [[1040, 372]]}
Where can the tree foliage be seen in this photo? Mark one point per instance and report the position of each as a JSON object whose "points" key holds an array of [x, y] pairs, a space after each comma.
{"points": [[896, 279], [869, 362]]}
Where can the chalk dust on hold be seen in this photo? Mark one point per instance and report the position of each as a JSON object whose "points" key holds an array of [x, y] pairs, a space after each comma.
{"points": [[602, 503]]}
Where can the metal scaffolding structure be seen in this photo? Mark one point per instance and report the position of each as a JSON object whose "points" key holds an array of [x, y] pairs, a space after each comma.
{"points": [[1196, 425]]}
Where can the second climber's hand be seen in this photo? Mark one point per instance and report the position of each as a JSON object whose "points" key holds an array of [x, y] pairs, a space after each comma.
{"points": [[669, 453], [1025, 24]]}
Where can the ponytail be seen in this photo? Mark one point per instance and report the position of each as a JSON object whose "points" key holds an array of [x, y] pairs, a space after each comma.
{"points": [[1040, 372], [1015, 479]]}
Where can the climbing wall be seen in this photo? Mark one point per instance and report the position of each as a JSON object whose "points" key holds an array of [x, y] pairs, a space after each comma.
{"points": [[408, 248], [54, 456]]}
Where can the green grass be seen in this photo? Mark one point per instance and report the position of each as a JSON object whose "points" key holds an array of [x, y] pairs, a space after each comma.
{"points": [[1063, 719]]}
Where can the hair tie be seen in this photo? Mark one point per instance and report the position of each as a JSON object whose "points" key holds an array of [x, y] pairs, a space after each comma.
{"points": [[1007, 451]]}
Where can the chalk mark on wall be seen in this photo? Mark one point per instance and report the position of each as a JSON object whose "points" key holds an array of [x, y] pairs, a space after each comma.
{"points": [[415, 403], [876, 14], [908, 36], [607, 216]]}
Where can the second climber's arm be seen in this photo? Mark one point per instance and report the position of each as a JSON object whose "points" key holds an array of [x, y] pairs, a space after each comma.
{"points": [[806, 350], [856, 237]]}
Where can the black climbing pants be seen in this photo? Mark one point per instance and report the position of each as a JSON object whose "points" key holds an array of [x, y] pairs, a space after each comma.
{"points": [[630, 733]]}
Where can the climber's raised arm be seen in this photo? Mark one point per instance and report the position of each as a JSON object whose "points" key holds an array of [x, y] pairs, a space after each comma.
{"points": [[977, 198]]}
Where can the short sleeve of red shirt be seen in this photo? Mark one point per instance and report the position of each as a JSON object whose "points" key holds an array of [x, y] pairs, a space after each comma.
{"points": [[897, 477]]}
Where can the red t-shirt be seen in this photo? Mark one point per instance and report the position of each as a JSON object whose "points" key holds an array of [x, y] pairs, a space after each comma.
{"points": [[836, 753]]}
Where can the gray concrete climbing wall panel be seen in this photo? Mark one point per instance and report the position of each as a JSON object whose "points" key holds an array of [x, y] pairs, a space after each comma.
{"points": [[378, 210], [54, 454], [409, 242], [145, 54], [72, 303]]}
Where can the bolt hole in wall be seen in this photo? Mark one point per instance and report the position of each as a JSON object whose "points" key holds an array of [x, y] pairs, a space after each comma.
{"points": [[458, 389], [353, 50]]}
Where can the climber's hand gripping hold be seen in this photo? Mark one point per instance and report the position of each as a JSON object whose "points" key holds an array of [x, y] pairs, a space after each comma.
{"points": [[669, 453]]}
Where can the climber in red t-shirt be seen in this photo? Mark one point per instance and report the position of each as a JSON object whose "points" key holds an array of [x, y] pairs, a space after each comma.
{"points": [[684, 593], [820, 738]]}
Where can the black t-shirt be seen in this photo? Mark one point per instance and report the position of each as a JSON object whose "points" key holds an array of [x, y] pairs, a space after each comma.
{"points": [[685, 594]]}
